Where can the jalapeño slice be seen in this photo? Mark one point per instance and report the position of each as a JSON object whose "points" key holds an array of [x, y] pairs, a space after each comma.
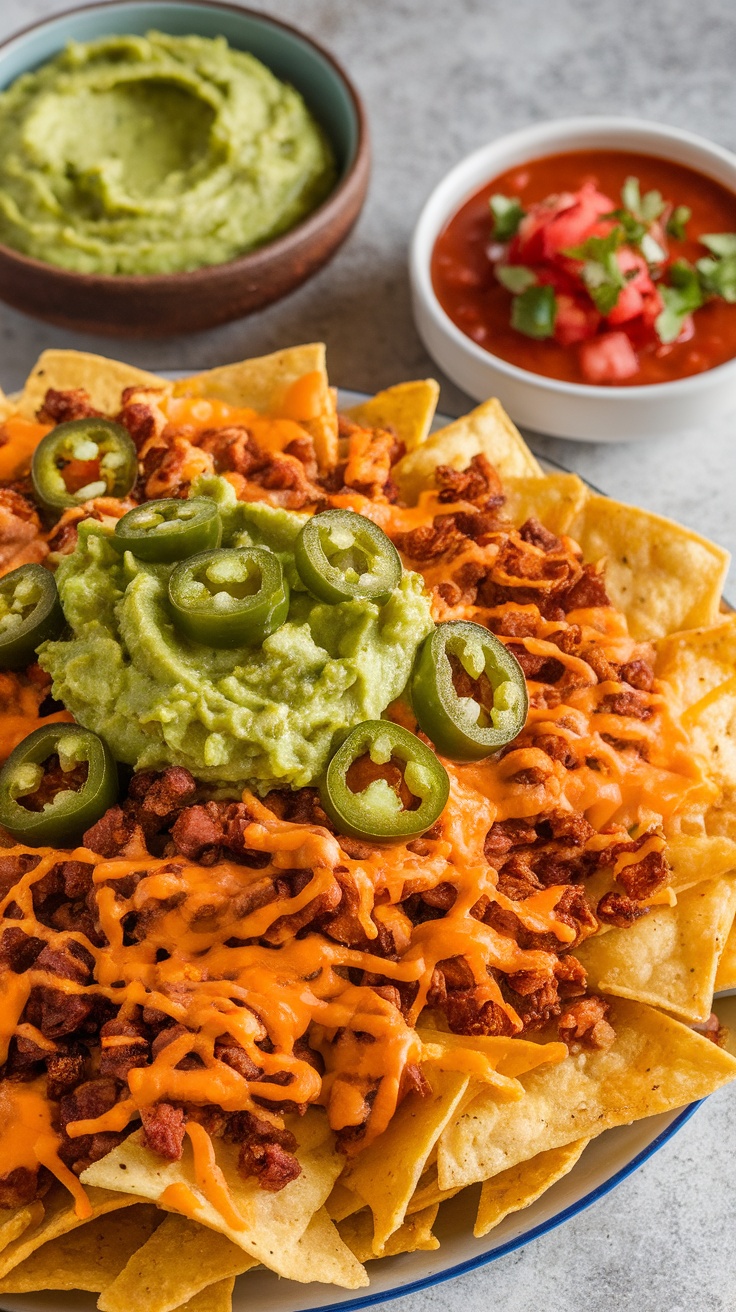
{"points": [[30, 612], [231, 597], [167, 530], [46, 796], [341, 555], [82, 459], [468, 691], [377, 810]]}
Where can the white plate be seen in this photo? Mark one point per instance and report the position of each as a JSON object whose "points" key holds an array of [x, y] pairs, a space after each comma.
{"points": [[606, 1161]]}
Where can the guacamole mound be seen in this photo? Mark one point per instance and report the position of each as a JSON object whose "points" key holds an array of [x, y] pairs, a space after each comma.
{"points": [[263, 717], [155, 154]]}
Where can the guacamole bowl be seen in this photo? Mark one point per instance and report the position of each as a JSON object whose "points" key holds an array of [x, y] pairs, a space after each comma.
{"points": [[312, 119]]}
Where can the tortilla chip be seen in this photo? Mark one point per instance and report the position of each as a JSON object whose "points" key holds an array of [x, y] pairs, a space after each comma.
{"points": [[554, 499], [387, 1172], [662, 576], [523, 1184], [14, 1221], [696, 857], [655, 1065], [726, 973], [407, 409], [7, 407], [486, 429], [216, 1298], [428, 1192], [274, 1222], [323, 1256], [103, 379], [343, 1202], [669, 957], [59, 1218], [511, 1057], [87, 1258], [262, 383], [414, 1235], [180, 1259]]}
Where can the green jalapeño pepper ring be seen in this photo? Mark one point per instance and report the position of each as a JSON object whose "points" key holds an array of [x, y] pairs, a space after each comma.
{"points": [[168, 530], [56, 812], [232, 597], [377, 811], [83, 459], [341, 555], [468, 725], [30, 612]]}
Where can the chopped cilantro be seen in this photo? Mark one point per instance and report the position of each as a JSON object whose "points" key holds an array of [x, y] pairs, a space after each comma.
{"points": [[651, 250], [679, 217], [720, 243], [645, 208], [601, 272], [516, 277], [718, 277], [507, 215], [682, 298], [533, 312]]}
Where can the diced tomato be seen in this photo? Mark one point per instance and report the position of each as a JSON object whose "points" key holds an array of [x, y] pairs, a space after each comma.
{"points": [[653, 303], [575, 320], [575, 223], [630, 303], [609, 358], [527, 246]]}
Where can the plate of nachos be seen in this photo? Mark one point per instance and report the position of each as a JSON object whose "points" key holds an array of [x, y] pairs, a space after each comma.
{"points": [[368, 829]]}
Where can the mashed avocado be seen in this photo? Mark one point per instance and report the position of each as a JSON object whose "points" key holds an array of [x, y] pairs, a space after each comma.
{"points": [[154, 154], [266, 716]]}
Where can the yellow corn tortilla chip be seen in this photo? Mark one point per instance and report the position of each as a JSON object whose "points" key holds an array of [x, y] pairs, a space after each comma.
{"points": [[669, 957], [554, 499], [701, 667], [103, 379], [428, 1192], [655, 1065], [262, 383], [7, 407], [216, 1298], [387, 1172], [523, 1184], [726, 973], [407, 409], [274, 1221], [343, 1202], [87, 1258], [695, 857], [15, 1220], [486, 429], [414, 1235], [323, 1256], [510, 1057], [59, 1218], [662, 576], [180, 1259]]}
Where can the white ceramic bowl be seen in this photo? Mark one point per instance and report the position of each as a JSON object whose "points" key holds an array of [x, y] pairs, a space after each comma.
{"points": [[574, 410]]}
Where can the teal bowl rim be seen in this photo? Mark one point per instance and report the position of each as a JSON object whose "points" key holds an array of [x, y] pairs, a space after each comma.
{"points": [[355, 174]]}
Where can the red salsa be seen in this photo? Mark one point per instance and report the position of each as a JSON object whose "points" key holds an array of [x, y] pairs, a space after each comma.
{"points": [[588, 267]]}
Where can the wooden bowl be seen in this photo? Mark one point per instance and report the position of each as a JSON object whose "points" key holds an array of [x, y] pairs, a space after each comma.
{"points": [[161, 305]]}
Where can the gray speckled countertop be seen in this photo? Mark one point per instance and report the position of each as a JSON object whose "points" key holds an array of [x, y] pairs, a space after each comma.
{"points": [[441, 77]]}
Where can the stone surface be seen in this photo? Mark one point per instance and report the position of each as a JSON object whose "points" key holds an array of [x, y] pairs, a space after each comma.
{"points": [[439, 79]]}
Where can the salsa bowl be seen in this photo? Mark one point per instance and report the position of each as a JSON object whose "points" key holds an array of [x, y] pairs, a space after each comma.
{"points": [[576, 410], [162, 304]]}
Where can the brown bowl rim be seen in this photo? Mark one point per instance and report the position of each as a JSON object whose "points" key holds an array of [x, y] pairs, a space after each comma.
{"points": [[282, 245]]}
